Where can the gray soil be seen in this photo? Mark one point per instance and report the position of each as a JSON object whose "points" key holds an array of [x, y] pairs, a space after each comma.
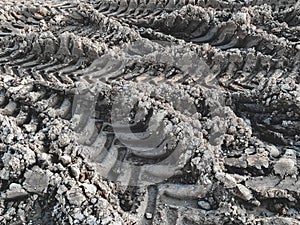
{"points": [[150, 112]]}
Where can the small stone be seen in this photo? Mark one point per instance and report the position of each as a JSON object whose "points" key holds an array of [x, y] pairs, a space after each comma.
{"points": [[89, 189], [62, 189], [36, 180], [79, 216], [45, 157], [4, 174], [94, 200], [204, 205], [30, 128], [287, 164], [240, 162], [29, 156], [249, 151], [244, 192], [65, 159], [75, 171], [258, 160], [227, 179], [148, 216], [75, 196], [63, 140], [273, 151], [285, 167], [7, 78], [15, 191]]}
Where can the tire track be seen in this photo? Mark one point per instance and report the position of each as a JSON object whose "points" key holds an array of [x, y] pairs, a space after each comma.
{"points": [[142, 9], [110, 70], [97, 27], [233, 33], [47, 58], [276, 121], [21, 19]]}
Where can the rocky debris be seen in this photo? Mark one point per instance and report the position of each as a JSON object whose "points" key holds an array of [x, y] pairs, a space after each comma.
{"points": [[15, 191], [89, 189], [36, 180], [75, 171], [258, 160], [243, 192], [287, 164], [75, 197], [204, 205], [66, 159], [148, 216]]}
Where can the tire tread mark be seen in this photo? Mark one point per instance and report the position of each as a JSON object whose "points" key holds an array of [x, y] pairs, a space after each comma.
{"points": [[52, 61]]}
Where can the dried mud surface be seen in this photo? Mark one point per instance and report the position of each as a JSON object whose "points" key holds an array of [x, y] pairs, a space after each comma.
{"points": [[176, 112]]}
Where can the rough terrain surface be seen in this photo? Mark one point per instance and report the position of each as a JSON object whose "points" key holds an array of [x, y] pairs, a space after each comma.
{"points": [[150, 112]]}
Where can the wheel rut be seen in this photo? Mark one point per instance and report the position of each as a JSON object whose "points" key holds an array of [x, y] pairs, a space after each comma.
{"points": [[149, 112]]}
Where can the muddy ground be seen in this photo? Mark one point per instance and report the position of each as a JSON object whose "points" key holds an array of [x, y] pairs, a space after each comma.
{"points": [[148, 112]]}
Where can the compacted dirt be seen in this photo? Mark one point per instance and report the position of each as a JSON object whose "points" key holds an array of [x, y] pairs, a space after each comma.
{"points": [[150, 112]]}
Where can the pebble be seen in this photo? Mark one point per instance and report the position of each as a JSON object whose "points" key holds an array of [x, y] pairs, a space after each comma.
{"points": [[148, 216], [89, 189], [285, 167], [78, 216], [7, 78], [36, 180], [204, 205], [65, 159], [75, 171], [94, 200], [75, 197], [274, 152], [15, 191], [244, 192]]}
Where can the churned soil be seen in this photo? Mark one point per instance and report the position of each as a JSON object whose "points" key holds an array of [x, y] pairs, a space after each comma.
{"points": [[150, 112]]}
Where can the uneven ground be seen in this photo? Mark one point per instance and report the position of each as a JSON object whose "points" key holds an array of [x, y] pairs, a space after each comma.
{"points": [[178, 112]]}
